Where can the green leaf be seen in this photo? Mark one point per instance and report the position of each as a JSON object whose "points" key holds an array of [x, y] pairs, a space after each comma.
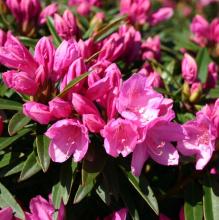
{"points": [[7, 158], [203, 59], [7, 141], [17, 122], [213, 93], [30, 168], [62, 190], [56, 38], [7, 200], [10, 105], [28, 41], [109, 28], [73, 83], [193, 209], [8, 171], [42, 145], [211, 198], [142, 187]]}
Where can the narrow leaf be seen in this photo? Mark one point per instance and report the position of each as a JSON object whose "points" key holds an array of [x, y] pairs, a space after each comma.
{"points": [[56, 38], [203, 59], [42, 145], [30, 168], [17, 122], [7, 200], [7, 141], [28, 41], [10, 105]]}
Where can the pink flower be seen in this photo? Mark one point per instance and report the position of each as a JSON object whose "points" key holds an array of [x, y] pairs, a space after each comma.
{"points": [[200, 29], [24, 10], [44, 54], [189, 69], [212, 76], [157, 145], [120, 136], [162, 14], [3, 38], [66, 26], [199, 140], [6, 214], [151, 48], [21, 82], [60, 108], [214, 30], [93, 122], [40, 208], [137, 100], [66, 53], [14, 55], [68, 137], [137, 10], [38, 112], [118, 215], [49, 10]]}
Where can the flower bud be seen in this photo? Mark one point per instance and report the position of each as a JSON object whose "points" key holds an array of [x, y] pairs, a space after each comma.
{"points": [[162, 14], [196, 92]]}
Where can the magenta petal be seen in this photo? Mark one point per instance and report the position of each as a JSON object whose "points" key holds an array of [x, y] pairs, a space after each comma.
{"points": [[6, 214]]}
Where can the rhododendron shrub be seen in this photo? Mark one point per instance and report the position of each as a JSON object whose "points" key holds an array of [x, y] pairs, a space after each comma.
{"points": [[109, 109]]}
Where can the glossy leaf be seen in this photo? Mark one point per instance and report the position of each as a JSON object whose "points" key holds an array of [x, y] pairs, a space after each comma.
{"points": [[42, 145], [10, 105], [7, 141], [30, 167], [7, 200], [17, 122]]}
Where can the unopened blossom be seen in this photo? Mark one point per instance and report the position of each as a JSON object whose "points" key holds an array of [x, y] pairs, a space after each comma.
{"points": [[38, 112], [118, 215], [214, 31], [160, 15], [120, 137], [66, 25], [137, 10], [199, 140], [157, 145], [21, 82], [189, 69], [41, 209], [3, 37], [65, 54], [213, 76], [49, 10], [200, 29], [68, 138], [60, 108]]}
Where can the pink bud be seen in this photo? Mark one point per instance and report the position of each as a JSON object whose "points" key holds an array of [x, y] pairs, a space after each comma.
{"points": [[6, 214], [93, 122], [50, 10], [87, 48], [60, 108], [37, 111], [68, 137], [83, 105], [20, 82], [44, 54], [30, 9], [2, 38], [14, 55], [162, 14], [66, 53], [189, 69], [212, 76], [200, 29], [214, 30]]}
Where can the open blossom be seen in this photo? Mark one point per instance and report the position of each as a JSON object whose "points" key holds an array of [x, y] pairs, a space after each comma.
{"points": [[68, 137], [189, 69], [66, 26], [162, 14], [137, 100], [120, 136], [37, 111], [157, 145], [41, 209], [137, 10], [199, 140]]}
